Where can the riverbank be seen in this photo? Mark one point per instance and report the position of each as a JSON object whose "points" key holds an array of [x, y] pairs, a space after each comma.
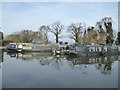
{"points": [[3, 47]]}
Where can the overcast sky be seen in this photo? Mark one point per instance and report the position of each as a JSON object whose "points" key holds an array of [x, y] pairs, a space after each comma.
{"points": [[31, 15]]}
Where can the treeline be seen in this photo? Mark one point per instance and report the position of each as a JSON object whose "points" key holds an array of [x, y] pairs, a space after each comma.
{"points": [[101, 33]]}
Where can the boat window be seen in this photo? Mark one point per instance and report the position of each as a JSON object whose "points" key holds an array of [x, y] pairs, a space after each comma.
{"points": [[20, 46], [98, 49], [118, 48], [105, 48], [91, 49], [113, 48], [80, 49], [12, 45]]}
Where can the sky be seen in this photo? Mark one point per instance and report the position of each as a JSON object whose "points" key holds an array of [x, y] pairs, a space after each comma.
{"points": [[119, 18], [17, 16], [60, 0]]}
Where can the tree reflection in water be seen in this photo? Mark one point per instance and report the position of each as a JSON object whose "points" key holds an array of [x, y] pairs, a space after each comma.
{"points": [[105, 66], [54, 61], [1, 57], [102, 63], [1, 60]]}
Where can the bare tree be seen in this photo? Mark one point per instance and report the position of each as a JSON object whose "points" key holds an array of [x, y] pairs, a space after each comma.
{"points": [[101, 33], [107, 21], [44, 31], [106, 25], [99, 25], [15, 37], [25, 36], [76, 31], [56, 29], [37, 37]]}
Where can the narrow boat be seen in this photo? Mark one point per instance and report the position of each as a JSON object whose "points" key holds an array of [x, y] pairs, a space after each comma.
{"points": [[38, 48], [30, 48], [89, 50]]}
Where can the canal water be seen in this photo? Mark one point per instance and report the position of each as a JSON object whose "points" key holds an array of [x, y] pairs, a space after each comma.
{"points": [[1, 58], [43, 70]]}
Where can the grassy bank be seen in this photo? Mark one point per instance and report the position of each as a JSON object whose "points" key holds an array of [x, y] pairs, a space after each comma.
{"points": [[3, 47]]}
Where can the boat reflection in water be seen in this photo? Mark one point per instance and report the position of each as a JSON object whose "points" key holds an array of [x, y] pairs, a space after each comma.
{"points": [[29, 56], [101, 63]]}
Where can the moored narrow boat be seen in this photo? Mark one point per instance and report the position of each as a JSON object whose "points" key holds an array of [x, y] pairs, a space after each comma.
{"points": [[30, 48], [15, 48], [91, 50]]}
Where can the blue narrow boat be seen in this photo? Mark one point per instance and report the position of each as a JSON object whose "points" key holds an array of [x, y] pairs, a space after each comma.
{"points": [[30, 48], [15, 48]]}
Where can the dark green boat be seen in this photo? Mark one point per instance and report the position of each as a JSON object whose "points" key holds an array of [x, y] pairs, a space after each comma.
{"points": [[88, 50]]}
